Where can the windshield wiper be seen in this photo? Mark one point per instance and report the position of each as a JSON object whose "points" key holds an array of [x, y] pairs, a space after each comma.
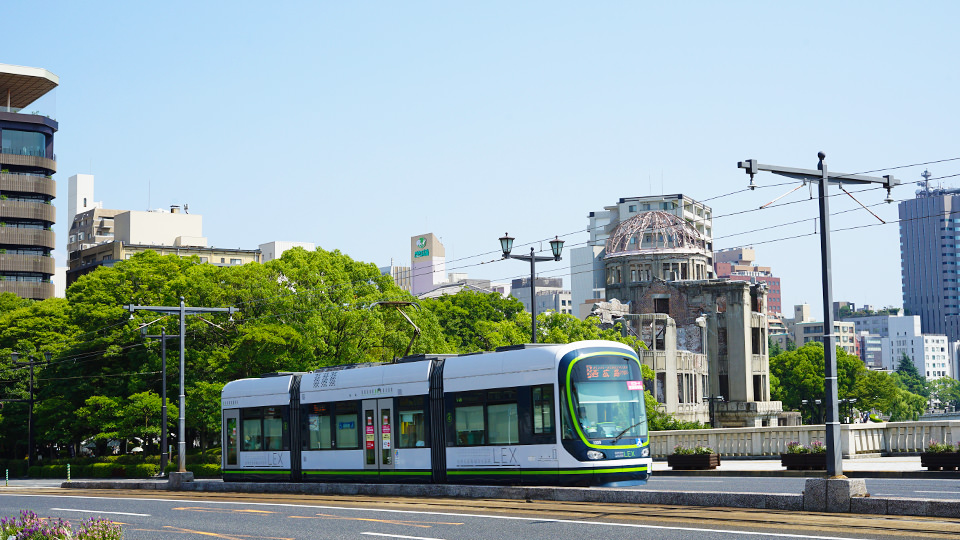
{"points": [[622, 433]]}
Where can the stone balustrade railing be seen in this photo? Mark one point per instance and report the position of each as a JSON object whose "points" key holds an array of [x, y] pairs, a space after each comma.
{"points": [[870, 438]]}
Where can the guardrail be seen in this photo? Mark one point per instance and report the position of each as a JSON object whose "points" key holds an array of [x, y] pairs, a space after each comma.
{"points": [[870, 438]]}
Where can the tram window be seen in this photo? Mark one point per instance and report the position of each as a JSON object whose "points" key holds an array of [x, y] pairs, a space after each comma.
{"points": [[413, 422], [469, 418], [252, 432], [318, 426], [272, 428], [502, 416], [543, 409], [502, 426], [348, 416]]}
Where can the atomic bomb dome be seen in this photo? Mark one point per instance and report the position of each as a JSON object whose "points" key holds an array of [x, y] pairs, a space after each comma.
{"points": [[654, 232]]}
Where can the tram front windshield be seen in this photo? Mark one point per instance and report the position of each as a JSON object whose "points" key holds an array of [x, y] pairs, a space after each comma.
{"points": [[607, 396]]}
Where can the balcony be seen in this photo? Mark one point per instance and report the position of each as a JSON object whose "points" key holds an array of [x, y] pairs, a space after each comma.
{"points": [[26, 263], [13, 236], [28, 210], [28, 289], [28, 183], [29, 161]]}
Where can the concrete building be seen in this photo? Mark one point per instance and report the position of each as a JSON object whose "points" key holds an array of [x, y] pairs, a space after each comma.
{"points": [[707, 338], [930, 258], [737, 264], [804, 330], [402, 276], [453, 286], [931, 354], [101, 237], [551, 296], [586, 263], [27, 165], [427, 263], [871, 349], [274, 250]]}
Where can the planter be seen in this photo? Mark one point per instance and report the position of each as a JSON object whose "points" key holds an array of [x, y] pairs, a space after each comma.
{"points": [[940, 461], [693, 462], [804, 462]]}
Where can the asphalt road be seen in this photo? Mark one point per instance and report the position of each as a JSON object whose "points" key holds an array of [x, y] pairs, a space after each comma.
{"points": [[154, 516]]}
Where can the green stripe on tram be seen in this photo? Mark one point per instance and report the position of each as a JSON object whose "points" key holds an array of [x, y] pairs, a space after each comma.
{"points": [[370, 473], [256, 471], [543, 471]]}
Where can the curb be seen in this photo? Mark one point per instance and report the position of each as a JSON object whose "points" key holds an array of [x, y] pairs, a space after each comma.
{"points": [[774, 501]]}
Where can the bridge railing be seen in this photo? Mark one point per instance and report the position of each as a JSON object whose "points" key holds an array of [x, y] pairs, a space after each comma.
{"points": [[870, 438]]}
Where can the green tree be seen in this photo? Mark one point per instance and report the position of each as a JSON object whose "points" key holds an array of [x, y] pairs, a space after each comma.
{"points": [[140, 418], [947, 391], [203, 412], [910, 379]]}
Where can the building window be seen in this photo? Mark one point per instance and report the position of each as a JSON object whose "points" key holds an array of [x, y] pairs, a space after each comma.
{"points": [[236, 261], [661, 305]]}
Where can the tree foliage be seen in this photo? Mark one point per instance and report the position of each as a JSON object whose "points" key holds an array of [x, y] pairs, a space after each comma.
{"points": [[799, 375]]}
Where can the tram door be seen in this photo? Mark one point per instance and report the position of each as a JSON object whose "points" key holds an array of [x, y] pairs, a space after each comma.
{"points": [[378, 437], [231, 438]]}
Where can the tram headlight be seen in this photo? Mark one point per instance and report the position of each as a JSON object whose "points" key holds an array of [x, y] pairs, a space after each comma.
{"points": [[645, 451], [594, 454]]}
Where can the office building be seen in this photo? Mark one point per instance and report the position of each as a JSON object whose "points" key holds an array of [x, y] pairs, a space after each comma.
{"points": [[930, 258], [427, 263], [737, 264], [804, 330], [274, 250], [27, 165], [587, 268], [551, 296], [102, 237], [932, 354]]}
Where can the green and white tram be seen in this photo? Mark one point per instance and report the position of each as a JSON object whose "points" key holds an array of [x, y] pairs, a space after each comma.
{"points": [[531, 414]]}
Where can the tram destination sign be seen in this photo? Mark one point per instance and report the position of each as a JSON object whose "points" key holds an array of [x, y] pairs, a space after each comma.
{"points": [[607, 372]]}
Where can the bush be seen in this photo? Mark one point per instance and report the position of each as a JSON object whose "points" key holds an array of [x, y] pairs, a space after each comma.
{"points": [[16, 467], [199, 470]]}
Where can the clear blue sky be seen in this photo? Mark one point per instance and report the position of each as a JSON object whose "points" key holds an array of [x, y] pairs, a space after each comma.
{"points": [[356, 125]]}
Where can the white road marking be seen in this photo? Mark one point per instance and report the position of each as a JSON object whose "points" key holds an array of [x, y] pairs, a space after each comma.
{"points": [[453, 514], [952, 492], [400, 536], [98, 512]]}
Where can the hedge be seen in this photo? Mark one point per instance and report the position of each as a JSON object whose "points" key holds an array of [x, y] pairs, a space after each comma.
{"points": [[16, 467], [199, 470], [96, 470]]}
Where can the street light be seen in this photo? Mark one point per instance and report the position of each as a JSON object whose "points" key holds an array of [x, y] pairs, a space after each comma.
{"points": [[556, 246], [847, 401], [711, 400], [819, 408]]}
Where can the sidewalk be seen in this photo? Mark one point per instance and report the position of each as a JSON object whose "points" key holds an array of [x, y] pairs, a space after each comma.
{"points": [[869, 467]]}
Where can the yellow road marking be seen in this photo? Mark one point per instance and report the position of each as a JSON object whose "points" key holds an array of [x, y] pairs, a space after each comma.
{"points": [[421, 524], [224, 510], [216, 535]]}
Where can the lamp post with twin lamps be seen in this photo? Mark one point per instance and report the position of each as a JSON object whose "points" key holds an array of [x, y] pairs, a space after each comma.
{"points": [[556, 246]]}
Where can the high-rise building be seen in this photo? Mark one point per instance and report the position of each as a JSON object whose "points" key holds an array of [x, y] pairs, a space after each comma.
{"points": [[737, 264], [27, 165], [587, 267], [428, 266], [931, 354], [930, 258]]}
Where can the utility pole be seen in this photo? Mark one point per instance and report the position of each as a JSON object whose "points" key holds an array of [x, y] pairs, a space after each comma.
{"points": [[823, 179], [183, 311], [30, 362], [164, 450]]}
